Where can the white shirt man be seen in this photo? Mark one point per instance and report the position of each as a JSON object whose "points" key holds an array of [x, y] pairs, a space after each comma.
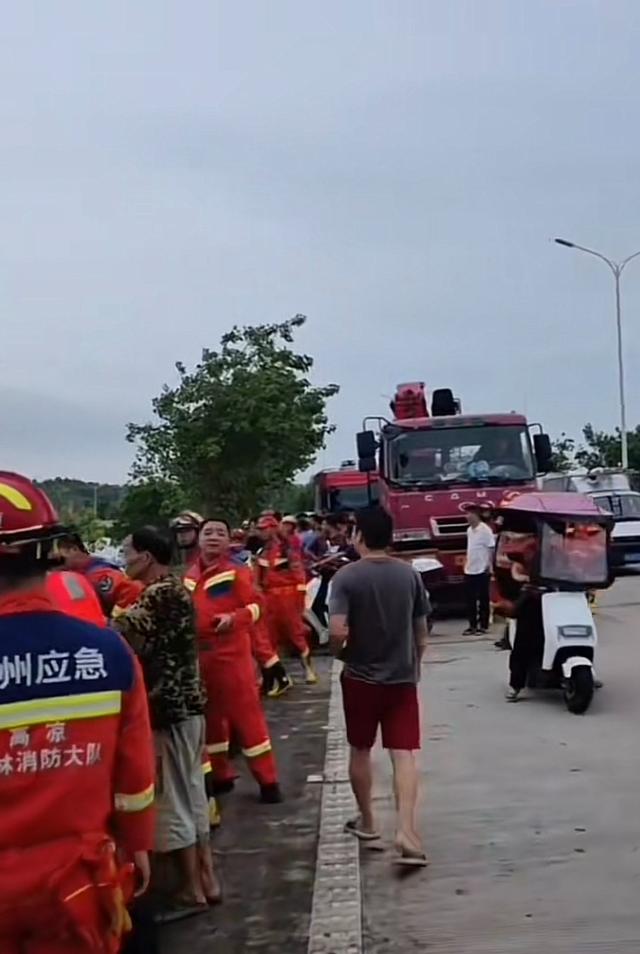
{"points": [[477, 570], [480, 545]]}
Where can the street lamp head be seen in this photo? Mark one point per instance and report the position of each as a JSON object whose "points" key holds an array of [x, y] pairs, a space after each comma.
{"points": [[564, 242]]}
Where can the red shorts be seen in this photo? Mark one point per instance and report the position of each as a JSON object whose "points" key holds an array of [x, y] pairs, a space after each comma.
{"points": [[394, 708]]}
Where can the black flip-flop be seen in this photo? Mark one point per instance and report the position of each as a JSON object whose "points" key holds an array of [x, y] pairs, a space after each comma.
{"points": [[352, 828], [179, 913]]}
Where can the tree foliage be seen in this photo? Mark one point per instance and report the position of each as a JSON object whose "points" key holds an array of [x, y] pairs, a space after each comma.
{"points": [[563, 454], [73, 497], [602, 449], [152, 502], [294, 498], [599, 449], [237, 428]]}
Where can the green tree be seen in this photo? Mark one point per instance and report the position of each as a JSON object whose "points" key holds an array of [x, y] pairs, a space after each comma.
{"points": [[237, 428], [90, 527], [563, 453], [605, 450], [295, 498], [151, 502], [72, 497]]}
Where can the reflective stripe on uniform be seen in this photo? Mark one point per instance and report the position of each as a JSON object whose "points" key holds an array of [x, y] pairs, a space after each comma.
{"points": [[87, 705], [189, 583], [254, 609], [136, 802], [257, 750], [271, 662], [73, 587], [217, 747], [262, 562], [227, 577], [301, 587], [206, 767]]}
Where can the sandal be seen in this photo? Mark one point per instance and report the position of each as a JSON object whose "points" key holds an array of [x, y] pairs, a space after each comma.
{"points": [[410, 856], [353, 827]]}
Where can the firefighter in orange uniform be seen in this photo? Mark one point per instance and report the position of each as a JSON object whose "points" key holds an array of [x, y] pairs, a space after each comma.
{"points": [[227, 605], [275, 679], [76, 755], [281, 578], [113, 587], [72, 593]]}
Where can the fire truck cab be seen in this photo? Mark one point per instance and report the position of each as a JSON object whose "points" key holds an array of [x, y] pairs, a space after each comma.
{"points": [[433, 460], [345, 489]]}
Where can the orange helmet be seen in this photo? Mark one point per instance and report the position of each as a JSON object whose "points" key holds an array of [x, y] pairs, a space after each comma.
{"points": [[27, 516]]}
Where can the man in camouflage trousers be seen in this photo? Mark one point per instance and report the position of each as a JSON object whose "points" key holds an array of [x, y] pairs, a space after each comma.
{"points": [[160, 629]]}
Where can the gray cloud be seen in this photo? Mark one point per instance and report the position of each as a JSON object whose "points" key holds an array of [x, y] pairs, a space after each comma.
{"points": [[393, 170]]}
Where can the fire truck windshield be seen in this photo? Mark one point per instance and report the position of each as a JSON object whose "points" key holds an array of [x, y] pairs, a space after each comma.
{"points": [[490, 453], [339, 499]]}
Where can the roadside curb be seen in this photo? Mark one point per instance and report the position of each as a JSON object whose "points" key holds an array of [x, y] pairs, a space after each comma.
{"points": [[336, 913]]}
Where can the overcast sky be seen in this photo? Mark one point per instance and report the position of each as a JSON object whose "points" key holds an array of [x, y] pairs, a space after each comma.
{"points": [[394, 170]]}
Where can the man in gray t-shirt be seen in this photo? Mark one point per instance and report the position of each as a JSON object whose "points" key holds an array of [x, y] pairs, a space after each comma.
{"points": [[381, 599], [378, 625]]}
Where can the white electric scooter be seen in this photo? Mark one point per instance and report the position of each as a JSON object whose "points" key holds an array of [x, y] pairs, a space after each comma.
{"points": [[557, 546], [568, 657]]}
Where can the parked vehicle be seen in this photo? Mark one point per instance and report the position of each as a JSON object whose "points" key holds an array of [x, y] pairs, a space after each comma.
{"points": [[432, 461], [344, 490], [555, 547], [612, 491]]}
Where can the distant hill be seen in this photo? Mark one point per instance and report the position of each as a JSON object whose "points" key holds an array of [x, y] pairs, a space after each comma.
{"points": [[73, 497]]}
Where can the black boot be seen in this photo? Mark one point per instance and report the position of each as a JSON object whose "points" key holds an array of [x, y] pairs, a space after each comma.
{"points": [[271, 794], [279, 681], [267, 679], [221, 788]]}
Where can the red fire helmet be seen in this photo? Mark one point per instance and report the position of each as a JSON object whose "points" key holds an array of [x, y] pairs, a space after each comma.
{"points": [[26, 513], [267, 522]]}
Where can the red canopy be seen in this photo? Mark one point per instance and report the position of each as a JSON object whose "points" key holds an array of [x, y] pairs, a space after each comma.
{"points": [[563, 505]]}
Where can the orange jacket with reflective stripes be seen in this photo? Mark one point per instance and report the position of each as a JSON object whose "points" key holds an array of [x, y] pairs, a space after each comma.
{"points": [[218, 590], [73, 594], [280, 565], [76, 751]]}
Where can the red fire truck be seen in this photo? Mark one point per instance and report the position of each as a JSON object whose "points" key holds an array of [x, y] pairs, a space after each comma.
{"points": [[430, 462], [345, 489]]}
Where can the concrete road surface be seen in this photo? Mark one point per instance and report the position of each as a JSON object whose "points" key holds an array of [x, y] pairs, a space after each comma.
{"points": [[531, 815]]}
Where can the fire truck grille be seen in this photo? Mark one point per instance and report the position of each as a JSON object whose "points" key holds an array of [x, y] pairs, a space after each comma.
{"points": [[451, 526]]}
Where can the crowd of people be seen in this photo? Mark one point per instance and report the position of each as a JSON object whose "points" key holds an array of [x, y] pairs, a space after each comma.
{"points": [[133, 688]]}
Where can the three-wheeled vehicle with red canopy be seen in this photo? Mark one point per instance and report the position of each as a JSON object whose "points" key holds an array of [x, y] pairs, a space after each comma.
{"points": [[555, 547]]}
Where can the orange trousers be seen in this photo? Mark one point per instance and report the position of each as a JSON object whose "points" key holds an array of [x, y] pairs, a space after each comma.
{"points": [[233, 705], [45, 946], [284, 607], [63, 897], [261, 644]]}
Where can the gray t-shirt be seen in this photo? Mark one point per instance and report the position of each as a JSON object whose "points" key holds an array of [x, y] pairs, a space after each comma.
{"points": [[381, 598]]}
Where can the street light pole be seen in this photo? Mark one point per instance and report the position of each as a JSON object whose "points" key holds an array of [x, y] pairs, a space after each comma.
{"points": [[617, 268], [623, 404]]}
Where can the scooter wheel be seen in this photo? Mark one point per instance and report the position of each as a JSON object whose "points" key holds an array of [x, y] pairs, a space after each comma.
{"points": [[578, 690]]}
